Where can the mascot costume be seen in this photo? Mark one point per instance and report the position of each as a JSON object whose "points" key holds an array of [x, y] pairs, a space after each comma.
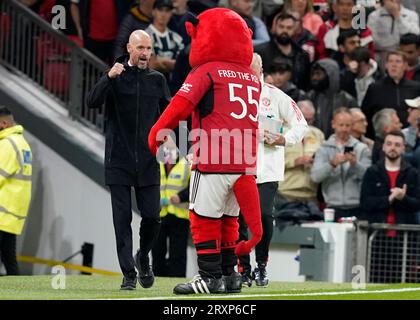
{"points": [[222, 93]]}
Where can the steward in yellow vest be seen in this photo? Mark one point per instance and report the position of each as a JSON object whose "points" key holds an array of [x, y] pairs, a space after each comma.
{"points": [[174, 192], [15, 186], [175, 183]]}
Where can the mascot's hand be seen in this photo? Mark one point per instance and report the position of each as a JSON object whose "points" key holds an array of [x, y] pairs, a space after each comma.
{"points": [[179, 109], [153, 141]]}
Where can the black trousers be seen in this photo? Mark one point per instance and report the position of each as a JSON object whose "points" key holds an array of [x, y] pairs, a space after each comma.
{"points": [[266, 191], [174, 231], [148, 203], [8, 253]]}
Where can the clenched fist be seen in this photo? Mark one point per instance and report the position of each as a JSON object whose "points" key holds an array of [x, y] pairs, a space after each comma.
{"points": [[116, 70]]}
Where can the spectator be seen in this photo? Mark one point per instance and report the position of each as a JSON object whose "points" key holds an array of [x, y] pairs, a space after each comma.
{"points": [[388, 23], [15, 187], [174, 192], [179, 17], [390, 91], [303, 38], [280, 72], [390, 188], [139, 18], [245, 9], [409, 44], [326, 94], [384, 121], [283, 46], [329, 32], [412, 132], [391, 194], [359, 127], [97, 26], [166, 44], [361, 72], [339, 165], [310, 20], [134, 97], [278, 107], [299, 158], [347, 41]]}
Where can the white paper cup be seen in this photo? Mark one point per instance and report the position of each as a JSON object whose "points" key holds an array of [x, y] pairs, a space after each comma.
{"points": [[329, 215]]}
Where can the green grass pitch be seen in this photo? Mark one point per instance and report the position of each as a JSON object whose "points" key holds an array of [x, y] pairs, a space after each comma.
{"points": [[107, 287]]}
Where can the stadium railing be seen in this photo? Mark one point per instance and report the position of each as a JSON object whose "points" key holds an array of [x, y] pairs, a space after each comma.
{"points": [[391, 253], [32, 48]]}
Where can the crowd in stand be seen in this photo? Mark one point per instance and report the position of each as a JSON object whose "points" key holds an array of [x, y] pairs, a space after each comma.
{"points": [[356, 83]]}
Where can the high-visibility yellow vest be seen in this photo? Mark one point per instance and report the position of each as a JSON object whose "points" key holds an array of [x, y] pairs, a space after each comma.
{"points": [[15, 179], [169, 185]]}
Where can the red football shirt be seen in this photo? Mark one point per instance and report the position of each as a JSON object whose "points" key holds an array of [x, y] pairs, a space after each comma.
{"points": [[103, 24], [225, 120], [390, 219]]}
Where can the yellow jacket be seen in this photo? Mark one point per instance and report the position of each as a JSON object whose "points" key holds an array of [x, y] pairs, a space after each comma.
{"points": [[172, 184], [15, 179]]}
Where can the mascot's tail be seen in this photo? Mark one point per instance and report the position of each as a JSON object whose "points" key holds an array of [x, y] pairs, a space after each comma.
{"points": [[246, 193]]}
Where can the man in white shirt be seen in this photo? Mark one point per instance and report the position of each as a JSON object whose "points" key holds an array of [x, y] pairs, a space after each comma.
{"points": [[276, 110]]}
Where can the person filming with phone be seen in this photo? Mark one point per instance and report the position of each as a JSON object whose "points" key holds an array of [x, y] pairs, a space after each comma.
{"points": [[339, 166]]}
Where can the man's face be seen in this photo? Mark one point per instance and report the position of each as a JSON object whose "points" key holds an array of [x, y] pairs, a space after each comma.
{"points": [[411, 53], [343, 9], [396, 66], [393, 147], [286, 26], [140, 50], [395, 124], [280, 79], [350, 44], [179, 4], [318, 75], [359, 123], [341, 124], [257, 67], [6, 122], [308, 114], [413, 115], [299, 5], [244, 7], [161, 16]]}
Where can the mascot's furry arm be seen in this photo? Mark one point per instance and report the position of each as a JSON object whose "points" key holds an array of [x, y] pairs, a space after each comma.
{"points": [[179, 109]]}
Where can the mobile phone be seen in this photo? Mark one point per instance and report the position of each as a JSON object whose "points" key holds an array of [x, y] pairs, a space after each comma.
{"points": [[348, 149]]}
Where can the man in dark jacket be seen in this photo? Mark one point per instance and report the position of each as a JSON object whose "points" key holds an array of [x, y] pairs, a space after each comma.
{"points": [[134, 97], [391, 188], [326, 94], [391, 91], [283, 46], [391, 194]]}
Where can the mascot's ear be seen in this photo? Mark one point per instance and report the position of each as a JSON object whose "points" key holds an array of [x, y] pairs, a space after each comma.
{"points": [[191, 25]]}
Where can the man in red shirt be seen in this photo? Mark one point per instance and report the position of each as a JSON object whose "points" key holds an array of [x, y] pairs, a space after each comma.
{"points": [[391, 188], [391, 194]]}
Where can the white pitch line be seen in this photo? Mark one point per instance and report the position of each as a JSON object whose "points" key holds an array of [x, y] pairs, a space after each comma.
{"points": [[308, 294]]}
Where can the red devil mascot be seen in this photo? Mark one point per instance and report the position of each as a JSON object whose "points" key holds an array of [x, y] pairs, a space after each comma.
{"points": [[221, 93]]}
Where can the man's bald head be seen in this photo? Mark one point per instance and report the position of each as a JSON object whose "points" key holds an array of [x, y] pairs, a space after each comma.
{"points": [[139, 48], [256, 65], [137, 35], [308, 110]]}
